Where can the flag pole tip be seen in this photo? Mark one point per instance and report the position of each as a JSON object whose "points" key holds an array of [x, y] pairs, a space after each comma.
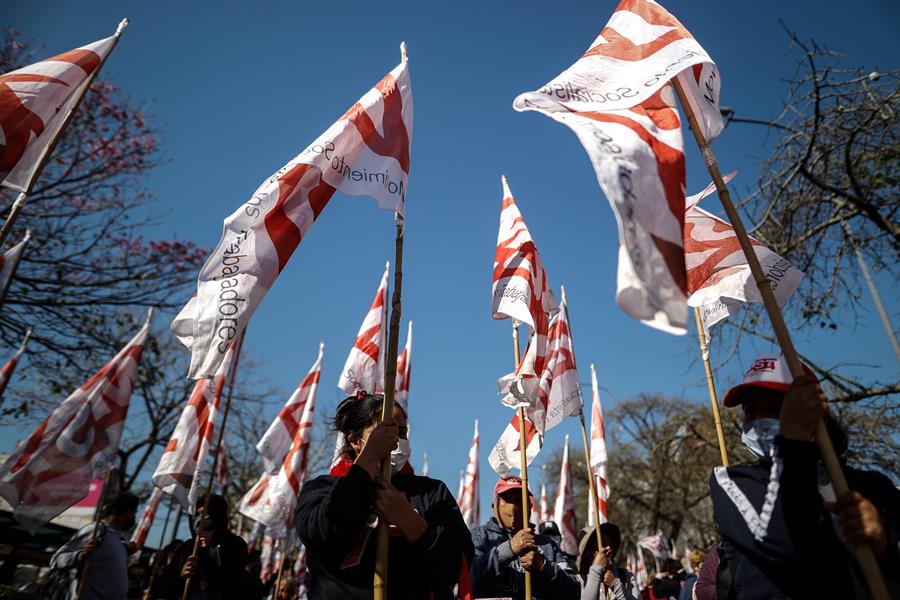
{"points": [[150, 312], [505, 182], [562, 291], [403, 56], [123, 24]]}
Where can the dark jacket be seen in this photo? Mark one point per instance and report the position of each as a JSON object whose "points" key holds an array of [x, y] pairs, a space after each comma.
{"points": [[223, 574], [777, 539], [331, 520], [497, 572]]}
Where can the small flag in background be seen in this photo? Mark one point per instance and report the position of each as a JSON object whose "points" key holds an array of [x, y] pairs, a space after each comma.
{"points": [[470, 503], [599, 457], [9, 263], [9, 368]]}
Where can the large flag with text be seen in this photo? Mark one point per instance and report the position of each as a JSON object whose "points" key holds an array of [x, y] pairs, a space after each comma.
{"points": [[564, 508], [9, 263], [364, 368], [34, 103], [273, 499], [184, 457], [470, 501], [75, 445], [520, 291], [598, 455], [9, 368], [617, 100], [365, 153], [276, 441]]}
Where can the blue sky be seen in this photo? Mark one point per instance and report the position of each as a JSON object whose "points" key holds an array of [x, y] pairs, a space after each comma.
{"points": [[240, 88]]}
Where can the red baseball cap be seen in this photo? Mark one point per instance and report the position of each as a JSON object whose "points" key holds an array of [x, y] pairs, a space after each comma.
{"points": [[508, 483], [770, 372]]}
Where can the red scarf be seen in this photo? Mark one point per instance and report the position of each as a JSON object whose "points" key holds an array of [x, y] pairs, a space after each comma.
{"points": [[342, 467]]}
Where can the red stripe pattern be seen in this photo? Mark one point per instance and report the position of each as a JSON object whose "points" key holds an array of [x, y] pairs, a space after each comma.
{"points": [[364, 368], [564, 509], [598, 454], [469, 503], [75, 445], [404, 373], [34, 102], [139, 537], [617, 100]]}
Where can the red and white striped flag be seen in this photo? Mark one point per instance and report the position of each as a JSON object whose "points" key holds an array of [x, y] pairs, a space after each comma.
{"points": [[267, 558], [223, 476], [657, 544], [461, 489], [35, 102], [404, 372], [719, 277], [277, 440], [544, 514], [559, 392], [641, 576], [184, 457], [255, 536], [139, 537], [9, 368], [300, 572], [273, 500], [617, 100], [470, 503], [564, 509], [520, 292], [365, 153], [599, 458], [75, 445], [364, 369], [9, 261], [505, 454]]}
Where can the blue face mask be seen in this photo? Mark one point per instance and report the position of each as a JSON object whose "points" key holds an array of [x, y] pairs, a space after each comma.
{"points": [[759, 435]]}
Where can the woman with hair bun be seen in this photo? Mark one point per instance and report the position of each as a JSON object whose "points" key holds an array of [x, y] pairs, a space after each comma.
{"points": [[337, 513]]}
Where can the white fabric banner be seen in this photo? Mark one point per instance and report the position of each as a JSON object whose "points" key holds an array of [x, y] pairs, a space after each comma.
{"points": [[564, 508]]}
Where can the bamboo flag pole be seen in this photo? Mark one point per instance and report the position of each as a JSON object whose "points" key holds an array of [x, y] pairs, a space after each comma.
{"points": [[212, 472], [864, 553], [390, 379], [584, 436], [523, 457], [97, 516], [45, 157], [280, 570], [711, 386]]}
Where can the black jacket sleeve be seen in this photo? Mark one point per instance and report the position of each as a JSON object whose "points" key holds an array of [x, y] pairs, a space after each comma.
{"points": [[332, 511]]}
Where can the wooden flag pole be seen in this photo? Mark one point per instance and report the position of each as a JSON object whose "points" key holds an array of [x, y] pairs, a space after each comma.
{"points": [[212, 474], [23, 196], [584, 437], [864, 553], [97, 516], [390, 381], [523, 457], [711, 386], [280, 570]]}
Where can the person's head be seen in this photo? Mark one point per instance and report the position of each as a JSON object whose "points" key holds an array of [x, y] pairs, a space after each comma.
{"points": [[508, 503], [358, 415], [212, 517], [121, 512], [289, 589], [587, 545], [696, 558], [670, 568], [551, 530], [254, 562]]}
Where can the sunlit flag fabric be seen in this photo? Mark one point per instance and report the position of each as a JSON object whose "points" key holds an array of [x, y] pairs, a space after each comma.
{"points": [[75, 445], [366, 153], [617, 100], [544, 514], [9, 262], [657, 544], [505, 454], [564, 509], [273, 500], [139, 537], [470, 503], [404, 373], [184, 457], [9, 368], [223, 476], [276, 441], [559, 392], [520, 291], [364, 369], [34, 103], [267, 557], [719, 277], [599, 458]]}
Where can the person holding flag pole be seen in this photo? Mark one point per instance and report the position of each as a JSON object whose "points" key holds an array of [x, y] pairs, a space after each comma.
{"points": [[56, 87]]}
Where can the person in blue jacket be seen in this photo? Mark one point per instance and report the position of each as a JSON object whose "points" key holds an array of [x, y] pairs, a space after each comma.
{"points": [[506, 547], [784, 533]]}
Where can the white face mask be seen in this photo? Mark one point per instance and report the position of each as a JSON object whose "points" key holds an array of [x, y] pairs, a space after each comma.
{"points": [[400, 455], [759, 435]]}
